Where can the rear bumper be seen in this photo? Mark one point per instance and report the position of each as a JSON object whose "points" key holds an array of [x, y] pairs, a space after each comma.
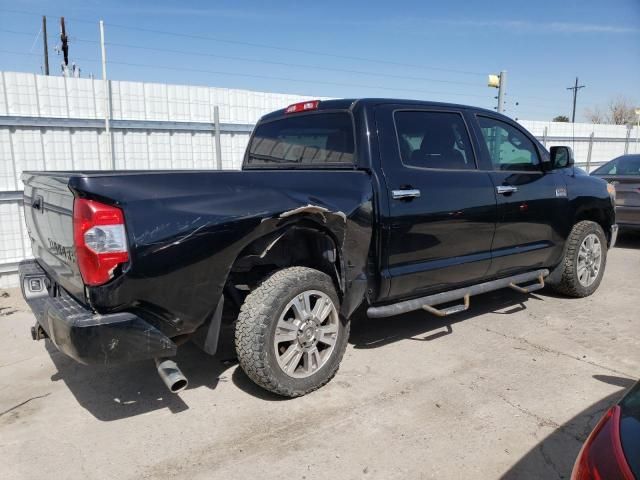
{"points": [[84, 335]]}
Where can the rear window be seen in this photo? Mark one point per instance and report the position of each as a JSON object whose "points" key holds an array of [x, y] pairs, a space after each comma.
{"points": [[319, 139]]}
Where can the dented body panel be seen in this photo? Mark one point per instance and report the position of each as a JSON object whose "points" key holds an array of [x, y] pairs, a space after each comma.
{"points": [[186, 229]]}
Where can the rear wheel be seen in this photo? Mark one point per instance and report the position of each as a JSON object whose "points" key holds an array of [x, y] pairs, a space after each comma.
{"points": [[289, 337], [584, 260]]}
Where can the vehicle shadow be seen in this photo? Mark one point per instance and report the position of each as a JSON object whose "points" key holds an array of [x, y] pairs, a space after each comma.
{"points": [[554, 456], [112, 393], [121, 391], [422, 326], [630, 240]]}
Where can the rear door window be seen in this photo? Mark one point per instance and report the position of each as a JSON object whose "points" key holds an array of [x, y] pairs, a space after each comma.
{"points": [[315, 140], [434, 140]]}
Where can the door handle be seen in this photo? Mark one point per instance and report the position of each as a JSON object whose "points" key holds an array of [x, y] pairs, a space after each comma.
{"points": [[405, 194], [506, 189]]}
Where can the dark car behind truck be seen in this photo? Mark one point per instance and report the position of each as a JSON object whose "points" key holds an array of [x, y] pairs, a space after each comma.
{"points": [[400, 205], [624, 173]]}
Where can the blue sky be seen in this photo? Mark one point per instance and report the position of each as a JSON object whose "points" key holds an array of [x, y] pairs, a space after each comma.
{"points": [[422, 49]]}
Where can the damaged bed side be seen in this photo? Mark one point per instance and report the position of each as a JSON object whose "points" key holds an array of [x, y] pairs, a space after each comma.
{"points": [[197, 243]]}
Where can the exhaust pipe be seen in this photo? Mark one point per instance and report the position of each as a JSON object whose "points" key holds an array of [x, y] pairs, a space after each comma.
{"points": [[171, 375]]}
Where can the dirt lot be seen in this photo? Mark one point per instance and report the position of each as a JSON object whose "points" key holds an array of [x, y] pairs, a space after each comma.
{"points": [[509, 389]]}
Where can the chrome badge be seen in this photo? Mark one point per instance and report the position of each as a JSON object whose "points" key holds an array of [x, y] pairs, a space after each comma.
{"points": [[561, 192]]}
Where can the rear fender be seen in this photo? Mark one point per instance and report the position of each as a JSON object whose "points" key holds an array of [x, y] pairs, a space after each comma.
{"points": [[300, 240]]}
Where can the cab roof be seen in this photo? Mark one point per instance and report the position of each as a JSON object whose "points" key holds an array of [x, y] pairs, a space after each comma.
{"points": [[350, 103]]}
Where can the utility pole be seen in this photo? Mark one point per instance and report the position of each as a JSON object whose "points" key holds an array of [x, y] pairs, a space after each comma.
{"points": [[65, 46], [575, 89], [46, 46], [499, 82], [107, 96], [501, 90]]}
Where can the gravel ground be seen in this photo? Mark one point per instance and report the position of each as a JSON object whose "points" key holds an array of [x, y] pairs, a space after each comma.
{"points": [[509, 389]]}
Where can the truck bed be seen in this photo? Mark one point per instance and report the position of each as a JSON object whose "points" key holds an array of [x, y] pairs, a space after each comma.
{"points": [[186, 228]]}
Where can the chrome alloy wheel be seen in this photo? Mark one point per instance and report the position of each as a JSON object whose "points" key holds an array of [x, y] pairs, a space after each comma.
{"points": [[589, 260], [306, 334]]}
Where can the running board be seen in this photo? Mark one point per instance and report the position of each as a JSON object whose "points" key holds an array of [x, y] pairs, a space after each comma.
{"points": [[427, 303], [529, 288]]}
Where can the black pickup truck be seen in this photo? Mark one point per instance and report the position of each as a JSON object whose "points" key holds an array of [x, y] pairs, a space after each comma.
{"points": [[400, 205]]}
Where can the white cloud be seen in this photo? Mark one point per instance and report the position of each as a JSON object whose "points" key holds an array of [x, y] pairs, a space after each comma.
{"points": [[524, 26]]}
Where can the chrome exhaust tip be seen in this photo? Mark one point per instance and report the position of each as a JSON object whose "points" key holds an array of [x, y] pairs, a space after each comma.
{"points": [[171, 375]]}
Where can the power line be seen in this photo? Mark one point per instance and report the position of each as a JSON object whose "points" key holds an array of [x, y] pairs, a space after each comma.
{"points": [[71, 38], [225, 73], [289, 79], [294, 50], [267, 46], [266, 77], [13, 52], [268, 62], [287, 64], [36, 38], [297, 65]]}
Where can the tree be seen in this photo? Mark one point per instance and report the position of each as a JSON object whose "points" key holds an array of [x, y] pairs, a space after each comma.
{"points": [[560, 118], [619, 111], [594, 115]]}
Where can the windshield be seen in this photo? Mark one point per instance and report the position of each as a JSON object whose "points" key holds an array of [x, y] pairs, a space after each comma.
{"points": [[625, 165], [319, 139]]}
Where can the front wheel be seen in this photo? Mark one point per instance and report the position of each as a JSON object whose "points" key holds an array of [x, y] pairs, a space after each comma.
{"points": [[289, 337], [585, 257]]}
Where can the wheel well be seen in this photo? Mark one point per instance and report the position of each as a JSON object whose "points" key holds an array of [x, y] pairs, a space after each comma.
{"points": [[298, 245], [598, 216]]}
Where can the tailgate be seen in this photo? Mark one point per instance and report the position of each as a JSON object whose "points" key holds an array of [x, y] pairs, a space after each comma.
{"points": [[48, 211]]}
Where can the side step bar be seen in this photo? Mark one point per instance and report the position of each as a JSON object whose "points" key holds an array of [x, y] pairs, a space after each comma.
{"points": [[427, 303]]}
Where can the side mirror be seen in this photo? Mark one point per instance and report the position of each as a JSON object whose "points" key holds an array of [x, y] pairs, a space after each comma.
{"points": [[561, 157]]}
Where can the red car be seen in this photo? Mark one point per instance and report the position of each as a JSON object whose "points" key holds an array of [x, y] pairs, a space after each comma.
{"points": [[612, 451]]}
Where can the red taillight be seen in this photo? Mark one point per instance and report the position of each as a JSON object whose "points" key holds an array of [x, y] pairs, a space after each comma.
{"points": [[100, 240], [302, 106], [601, 457]]}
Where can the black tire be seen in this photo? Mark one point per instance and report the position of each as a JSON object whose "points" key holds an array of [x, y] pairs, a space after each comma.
{"points": [[256, 329], [566, 274]]}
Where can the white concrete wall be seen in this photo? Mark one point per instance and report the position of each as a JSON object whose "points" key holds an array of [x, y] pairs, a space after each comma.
{"points": [[37, 148], [24, 94], [608, 140]]}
